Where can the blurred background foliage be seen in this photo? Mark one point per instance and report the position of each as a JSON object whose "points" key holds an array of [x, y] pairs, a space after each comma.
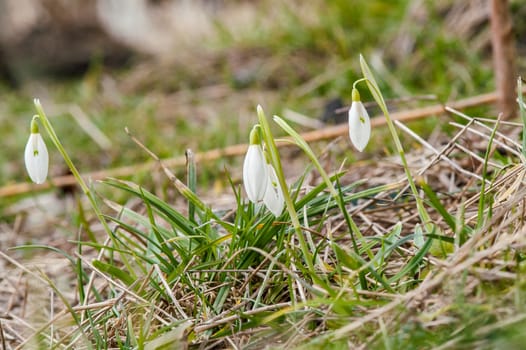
{"points": [[187, 74]]}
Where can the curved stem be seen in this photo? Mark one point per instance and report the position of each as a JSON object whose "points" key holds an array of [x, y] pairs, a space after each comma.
{"points": [[300, 142], [358, 81], [377, 94], [85, 188], [276, 163]]}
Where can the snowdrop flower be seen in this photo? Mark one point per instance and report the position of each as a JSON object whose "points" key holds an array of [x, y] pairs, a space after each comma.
{"points": [[273, 198], [36, 155], [359, 123], [255, 171]]}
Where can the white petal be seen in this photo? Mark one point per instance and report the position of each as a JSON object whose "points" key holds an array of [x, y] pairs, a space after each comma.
{"points": [[36, 158], [273, 199], [359, 125], [255, 175]]}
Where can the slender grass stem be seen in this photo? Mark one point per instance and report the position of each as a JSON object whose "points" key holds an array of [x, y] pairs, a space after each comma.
{"points": [[276, 163], [85, 188], [300, 142], [377, 95]]}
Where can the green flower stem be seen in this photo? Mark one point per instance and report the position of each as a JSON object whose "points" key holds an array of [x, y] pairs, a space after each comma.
{"points": [[300, 142], [276, 163], [357, 82], [56, 141], [375, 91]]}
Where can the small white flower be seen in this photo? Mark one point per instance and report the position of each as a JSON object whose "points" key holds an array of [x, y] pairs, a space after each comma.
{"points": [[359, 123], [36, 158], [273, 198], [255, 174]]}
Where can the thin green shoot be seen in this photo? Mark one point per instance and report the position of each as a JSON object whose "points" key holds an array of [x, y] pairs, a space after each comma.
{"points": [[481, 217], [275, 161], [300, 142], [377, 94]]}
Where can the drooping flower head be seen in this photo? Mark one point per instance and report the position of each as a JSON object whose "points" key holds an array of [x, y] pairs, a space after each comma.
{"points": [[359, 123], [255, 171], [273, 198], [36, 156]]}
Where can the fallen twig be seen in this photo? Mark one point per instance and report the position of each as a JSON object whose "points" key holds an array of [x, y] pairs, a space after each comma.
{"points": [[503, 45], [240, 149]]}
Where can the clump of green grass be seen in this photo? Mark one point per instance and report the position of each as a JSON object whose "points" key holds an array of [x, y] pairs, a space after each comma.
{"points": [[346, 265], [383, 274]]}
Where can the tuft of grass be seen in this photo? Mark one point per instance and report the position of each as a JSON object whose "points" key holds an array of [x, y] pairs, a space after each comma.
{"points": [[426, 254], [333, 270]]}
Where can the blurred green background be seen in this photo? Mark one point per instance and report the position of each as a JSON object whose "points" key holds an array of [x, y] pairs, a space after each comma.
{"points": [[188, 74]]}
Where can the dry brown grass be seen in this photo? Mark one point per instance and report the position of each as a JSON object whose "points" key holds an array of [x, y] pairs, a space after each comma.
{"points": [[451, 165]]}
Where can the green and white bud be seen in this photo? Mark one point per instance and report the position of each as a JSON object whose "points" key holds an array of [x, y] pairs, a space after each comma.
{"points": [[36, 155], [273, 199], [359, 122], [255, 172]]}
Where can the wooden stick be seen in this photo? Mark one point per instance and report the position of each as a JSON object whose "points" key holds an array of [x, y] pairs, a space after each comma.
{"points": [[240, 149], [503, 45]]}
